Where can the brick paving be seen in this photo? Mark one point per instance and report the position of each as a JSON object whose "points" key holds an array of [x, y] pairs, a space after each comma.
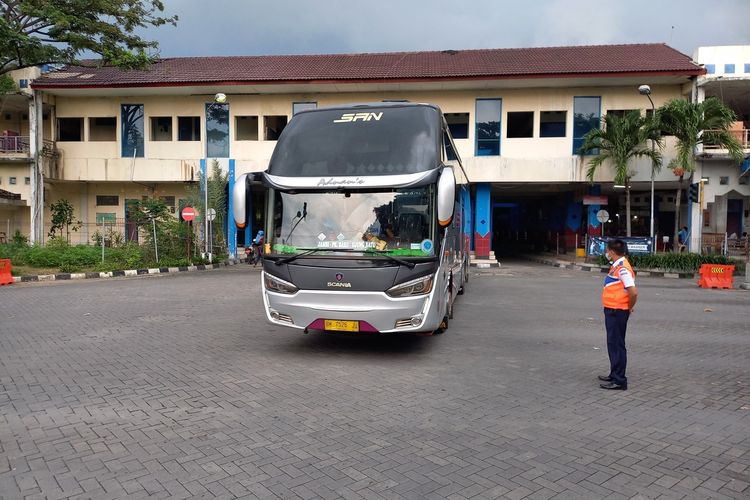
{"points": [[175, 387]]}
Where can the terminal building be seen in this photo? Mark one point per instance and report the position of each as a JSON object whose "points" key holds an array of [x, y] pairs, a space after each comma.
{"points": [[102, 137]]}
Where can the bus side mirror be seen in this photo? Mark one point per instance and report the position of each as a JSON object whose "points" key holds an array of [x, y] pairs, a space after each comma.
{"points": [[240, 195], [446, 196]]}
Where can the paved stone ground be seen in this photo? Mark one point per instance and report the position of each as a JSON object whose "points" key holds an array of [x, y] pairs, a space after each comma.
{"points": [[175, 387]]}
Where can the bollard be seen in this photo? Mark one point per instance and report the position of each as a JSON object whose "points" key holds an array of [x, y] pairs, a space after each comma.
{"points": [[5, 276]]}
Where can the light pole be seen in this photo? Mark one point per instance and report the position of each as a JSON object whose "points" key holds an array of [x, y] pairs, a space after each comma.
{"points": [[646, 90], [219, 98]]}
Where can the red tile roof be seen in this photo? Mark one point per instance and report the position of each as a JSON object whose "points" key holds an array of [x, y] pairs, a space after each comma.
{"points": [[394, 66]]}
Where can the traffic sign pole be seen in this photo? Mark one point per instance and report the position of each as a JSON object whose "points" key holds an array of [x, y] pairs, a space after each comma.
{"points": [[188, 214]]}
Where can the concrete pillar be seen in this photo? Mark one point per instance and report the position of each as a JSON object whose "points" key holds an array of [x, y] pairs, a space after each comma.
{"points": [[483, 221], [36, 235]]}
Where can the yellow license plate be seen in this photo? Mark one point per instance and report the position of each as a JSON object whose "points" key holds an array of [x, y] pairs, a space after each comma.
{"points": [[341, 326]]}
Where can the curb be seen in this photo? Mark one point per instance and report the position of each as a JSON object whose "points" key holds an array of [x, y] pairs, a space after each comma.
{"points": [[594, 268], [483, 263], [126, 272]]}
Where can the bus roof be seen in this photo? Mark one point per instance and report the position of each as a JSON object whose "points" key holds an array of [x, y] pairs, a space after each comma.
{"points": [[360, 140]]}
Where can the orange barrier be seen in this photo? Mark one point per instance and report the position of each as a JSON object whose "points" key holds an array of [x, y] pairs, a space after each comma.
{"points": [[5, 277], [715, 276]]}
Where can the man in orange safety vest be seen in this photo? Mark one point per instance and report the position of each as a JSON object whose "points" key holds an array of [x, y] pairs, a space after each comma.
{"points": [[618, 298]]}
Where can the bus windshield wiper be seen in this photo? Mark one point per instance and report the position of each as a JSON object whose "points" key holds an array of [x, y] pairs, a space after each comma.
{"points": [[311, 251], [403, 262], [297, 256]]}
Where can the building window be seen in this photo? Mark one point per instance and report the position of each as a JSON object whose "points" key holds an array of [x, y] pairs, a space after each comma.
{"points": [[488, 117], [161, 128], [188, 128], [12, 180], [710, 68], [729, 69], [620, 113], [747, 67], [103, 128], [132, 130], [743, 180], [107, 200], [27, 180], [552, 123], [724, 180], [302, 106], [70, 129], [105, 218], [586, 116], [273, 126], [169, 201], [706, 180], [450, 152], [520, 124], [217, 130], [458, 124], [246, 128]]}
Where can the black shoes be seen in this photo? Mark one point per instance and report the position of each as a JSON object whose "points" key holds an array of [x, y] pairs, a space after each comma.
{"points": [[605, 378], [613, 387]]}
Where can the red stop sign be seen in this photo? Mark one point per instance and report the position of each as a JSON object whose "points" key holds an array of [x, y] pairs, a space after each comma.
{"points": [[188, 213]]}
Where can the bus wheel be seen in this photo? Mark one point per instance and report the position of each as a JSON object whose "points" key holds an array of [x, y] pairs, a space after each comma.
{"points": [[464, 280], [443, 326]]}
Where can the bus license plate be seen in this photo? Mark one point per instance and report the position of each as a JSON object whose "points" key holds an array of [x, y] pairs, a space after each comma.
{"points": [[337, 325]]}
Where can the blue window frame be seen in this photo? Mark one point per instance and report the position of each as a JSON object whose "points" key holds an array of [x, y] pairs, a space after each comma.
{"points": [[132, 130], [488, 118], [587, 115], [710, 68], [217, 130], [747, 67], [729, 69]]}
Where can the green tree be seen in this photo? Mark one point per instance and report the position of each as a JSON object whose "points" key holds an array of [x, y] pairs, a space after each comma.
{"points": [[694, 124], [621, 140], [34, 32], [62, 218]]}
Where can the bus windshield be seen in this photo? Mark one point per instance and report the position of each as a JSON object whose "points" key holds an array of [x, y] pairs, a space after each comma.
{"points": [[392, 140], [397, 222]]}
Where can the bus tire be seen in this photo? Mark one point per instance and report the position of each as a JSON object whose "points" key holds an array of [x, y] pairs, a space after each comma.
{"points": [[464, 280], [442, 328]]}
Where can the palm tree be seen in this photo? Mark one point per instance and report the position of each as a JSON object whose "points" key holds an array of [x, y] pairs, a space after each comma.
{"points": [[622, 139], [693, 124]]}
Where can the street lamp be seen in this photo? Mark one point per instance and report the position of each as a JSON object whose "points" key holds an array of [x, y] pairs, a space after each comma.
{"points": [[219, 98], [646, 90]]}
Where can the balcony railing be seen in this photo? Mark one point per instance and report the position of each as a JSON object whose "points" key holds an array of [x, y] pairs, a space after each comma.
{"points": [[20, 145], [742, 136]]}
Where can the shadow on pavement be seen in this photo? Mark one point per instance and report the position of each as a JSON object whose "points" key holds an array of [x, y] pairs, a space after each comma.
{"points": [[354, 344]]}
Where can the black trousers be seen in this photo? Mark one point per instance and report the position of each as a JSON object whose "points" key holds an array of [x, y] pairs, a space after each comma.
{"points": [[616, 322]]}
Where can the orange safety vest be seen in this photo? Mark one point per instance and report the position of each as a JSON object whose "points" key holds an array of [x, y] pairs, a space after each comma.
{"points": [[614, 295]]}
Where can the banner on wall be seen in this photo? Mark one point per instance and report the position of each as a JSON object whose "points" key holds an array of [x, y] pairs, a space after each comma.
{"points": [[636, 245]]}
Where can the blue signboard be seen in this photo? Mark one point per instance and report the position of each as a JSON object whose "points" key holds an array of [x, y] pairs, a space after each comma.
{"points": [[636, 245]]}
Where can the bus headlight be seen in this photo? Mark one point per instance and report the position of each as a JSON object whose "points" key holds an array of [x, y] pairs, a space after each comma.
{"points": [[419, 286], [278, 285]]}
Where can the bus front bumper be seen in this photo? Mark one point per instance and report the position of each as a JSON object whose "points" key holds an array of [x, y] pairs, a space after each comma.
{"points": [[373, 311]]}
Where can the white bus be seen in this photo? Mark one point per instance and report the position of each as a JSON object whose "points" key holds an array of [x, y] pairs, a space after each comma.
{"points": [[365, 221]]}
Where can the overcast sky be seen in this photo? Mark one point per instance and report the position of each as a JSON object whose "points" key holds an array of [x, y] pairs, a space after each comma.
{"points": [[253, 27]]}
